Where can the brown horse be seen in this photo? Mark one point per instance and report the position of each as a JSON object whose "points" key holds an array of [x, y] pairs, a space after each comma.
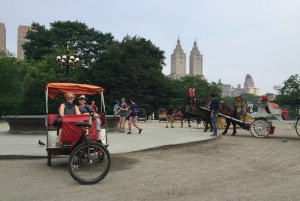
{"points": [[202, 106], [195, 111], [231, 111], [186, 114]]}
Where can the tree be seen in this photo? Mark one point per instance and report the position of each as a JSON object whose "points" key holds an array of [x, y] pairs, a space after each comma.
{"points": [[288, 94], [203, 89], [132, 68], [87, 42], [10, 83]]}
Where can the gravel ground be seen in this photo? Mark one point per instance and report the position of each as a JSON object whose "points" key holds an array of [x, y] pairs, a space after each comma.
{"points": [[226, 168]]}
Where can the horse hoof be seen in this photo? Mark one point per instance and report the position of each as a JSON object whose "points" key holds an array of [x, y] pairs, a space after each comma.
{"points": [[189, 125], [224, 133], [233, 134], [205, 131]]}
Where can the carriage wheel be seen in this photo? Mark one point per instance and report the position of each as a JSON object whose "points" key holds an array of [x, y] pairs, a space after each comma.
{"points": [[260, 128], [221, 122], [297, 126]]}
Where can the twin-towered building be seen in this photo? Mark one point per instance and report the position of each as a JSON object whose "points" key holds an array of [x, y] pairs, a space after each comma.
{"points": [[22, 30], [178, 62]]}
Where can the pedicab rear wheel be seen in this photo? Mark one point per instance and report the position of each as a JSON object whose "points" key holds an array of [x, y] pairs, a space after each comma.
{"points": [[91, 170]]}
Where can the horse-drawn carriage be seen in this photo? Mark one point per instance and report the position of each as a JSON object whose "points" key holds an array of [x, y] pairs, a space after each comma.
{"points": [[258, 123], [177, 116], [244, 109], [142, 115], [89, 161], [162, 114]]}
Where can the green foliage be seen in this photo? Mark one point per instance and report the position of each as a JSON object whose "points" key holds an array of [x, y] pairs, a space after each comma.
{"points": [[289, 93], [10, 83], [88, 42], [180, 89], [132, 68]]}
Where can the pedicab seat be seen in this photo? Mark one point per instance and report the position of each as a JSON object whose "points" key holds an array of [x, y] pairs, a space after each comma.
{"points": [[51, 119], [72, 133]]}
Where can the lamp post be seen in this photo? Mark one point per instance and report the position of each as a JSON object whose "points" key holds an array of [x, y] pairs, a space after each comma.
{"points": [[67, 61]]}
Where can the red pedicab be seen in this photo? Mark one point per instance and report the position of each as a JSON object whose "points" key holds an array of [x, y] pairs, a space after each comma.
{"points": [[89, 161]]}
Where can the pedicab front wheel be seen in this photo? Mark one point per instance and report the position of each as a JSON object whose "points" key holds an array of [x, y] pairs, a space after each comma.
{"points": [[89, 164]]}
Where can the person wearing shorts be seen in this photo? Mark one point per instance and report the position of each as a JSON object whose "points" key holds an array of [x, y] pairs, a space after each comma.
{"points": [[123, 113], [169, 117], [133, 117]]}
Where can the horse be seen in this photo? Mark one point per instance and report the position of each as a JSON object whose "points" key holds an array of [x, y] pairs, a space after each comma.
{"points": [[186, 113], [205, 113], [196, 113], [231, 111]]}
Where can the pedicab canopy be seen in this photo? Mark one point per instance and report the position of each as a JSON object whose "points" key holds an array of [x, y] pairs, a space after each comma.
{"points": [[62, 88]]}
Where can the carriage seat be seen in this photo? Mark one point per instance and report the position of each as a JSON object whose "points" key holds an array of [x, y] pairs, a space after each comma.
{"points": [[275, 109]]}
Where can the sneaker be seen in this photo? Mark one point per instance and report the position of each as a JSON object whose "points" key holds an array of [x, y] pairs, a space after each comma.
{"points": [[166, 126], [129, 133], [140, 130], [172, 127]]}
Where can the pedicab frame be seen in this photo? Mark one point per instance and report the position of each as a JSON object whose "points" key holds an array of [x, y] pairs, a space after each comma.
{"points": [[76, 132]]}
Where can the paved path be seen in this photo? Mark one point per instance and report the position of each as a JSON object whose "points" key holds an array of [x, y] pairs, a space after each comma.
{"points": [[154, 134]]}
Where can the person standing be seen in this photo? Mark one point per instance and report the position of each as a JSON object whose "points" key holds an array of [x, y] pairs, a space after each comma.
{"points": [[169, 118], [94, 106], [214, 106], [116, 107], [133, 116], [123, 113]]}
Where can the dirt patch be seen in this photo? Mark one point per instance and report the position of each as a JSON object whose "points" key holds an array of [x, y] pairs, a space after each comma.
{"points": [[229, 168]]}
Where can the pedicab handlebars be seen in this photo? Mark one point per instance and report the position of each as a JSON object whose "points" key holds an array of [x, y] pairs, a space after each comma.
{"points": [[92, 114]]}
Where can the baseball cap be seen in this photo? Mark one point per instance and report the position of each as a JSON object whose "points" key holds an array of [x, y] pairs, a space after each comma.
{"points": [[82, 96]]}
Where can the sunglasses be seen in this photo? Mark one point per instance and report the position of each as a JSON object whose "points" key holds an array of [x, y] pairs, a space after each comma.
{"points": [[70, 97], [81, 98]]}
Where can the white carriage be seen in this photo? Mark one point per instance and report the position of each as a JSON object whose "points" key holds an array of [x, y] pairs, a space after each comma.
{"points": [[261, 127]]}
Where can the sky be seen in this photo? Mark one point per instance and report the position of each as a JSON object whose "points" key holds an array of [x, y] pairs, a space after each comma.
{"points": [[235, 37]]}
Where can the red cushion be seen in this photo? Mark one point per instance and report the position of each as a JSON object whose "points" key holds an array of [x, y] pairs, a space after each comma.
{"points": [[273, 105], [51, 119]]}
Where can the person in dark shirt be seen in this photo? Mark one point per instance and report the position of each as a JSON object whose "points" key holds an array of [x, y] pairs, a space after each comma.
{"points": [[169, 117], [214, 106], [133, 116]]}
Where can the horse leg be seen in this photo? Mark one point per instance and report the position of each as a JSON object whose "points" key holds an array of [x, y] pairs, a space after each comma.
{"points": [[227, 126], [182, 117], [198, 122], [189, 121], [234, 128]]}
